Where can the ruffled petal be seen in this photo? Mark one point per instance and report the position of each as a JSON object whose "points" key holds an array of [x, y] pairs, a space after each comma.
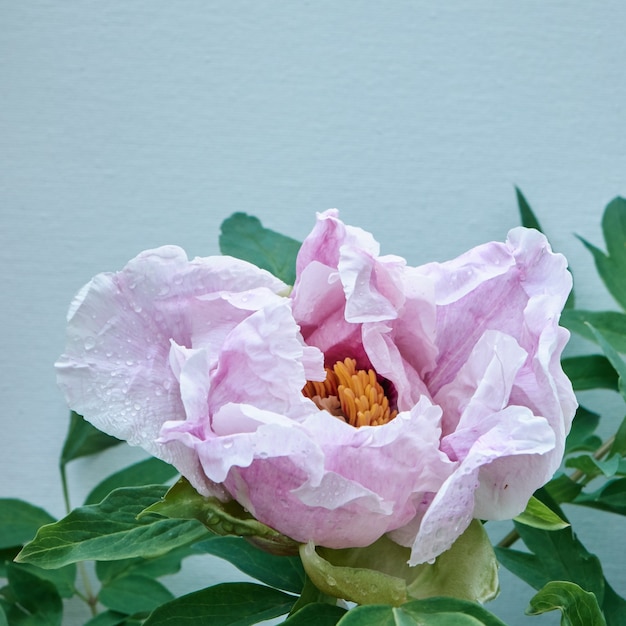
{"points": [[116, 369], [513, 432]]}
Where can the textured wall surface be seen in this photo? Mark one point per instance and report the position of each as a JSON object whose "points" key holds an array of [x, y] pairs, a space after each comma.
{"points": [[127, 125]]}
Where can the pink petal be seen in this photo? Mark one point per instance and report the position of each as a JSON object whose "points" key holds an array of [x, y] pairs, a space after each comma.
{"points": [[116, 367], [514, 432]]}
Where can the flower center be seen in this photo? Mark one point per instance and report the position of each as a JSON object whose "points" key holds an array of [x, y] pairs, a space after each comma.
{"points": [[353, 395]]}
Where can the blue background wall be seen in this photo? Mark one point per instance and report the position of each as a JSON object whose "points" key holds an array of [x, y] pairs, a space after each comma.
{"points": [[126, 125]]}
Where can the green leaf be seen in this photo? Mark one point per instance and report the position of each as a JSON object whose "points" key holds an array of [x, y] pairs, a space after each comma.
{"points": [[134, 594], [430, 612], [612, 266], [107, 618], [610, 323], [83, 439], [316, 614], [62, 578], [6, 556], [526, 566], [282, 572], [619, 444], [563, 489], [3, 618], [110, 530], [613, 357], [614, 230], [155, 567], [244, 237], [561, 556], [581, 435], [610, 497], [613, 607], [592, 467], [182, 501], [310, 594], [228, 604], [579, 607], [38, 598], [380, 574], [151, 471], [529, 220], [592, 371], [538, 515], [19, 521]]}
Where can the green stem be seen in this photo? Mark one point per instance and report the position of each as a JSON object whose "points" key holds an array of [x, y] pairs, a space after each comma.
{"points": [[576, 476], [66, 493], [88, 597]]}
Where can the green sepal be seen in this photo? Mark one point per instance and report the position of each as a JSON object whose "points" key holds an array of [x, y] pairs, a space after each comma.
{"points": [[579, 607], [538, 515], [380, 574], [182, 501], [362, 585]]}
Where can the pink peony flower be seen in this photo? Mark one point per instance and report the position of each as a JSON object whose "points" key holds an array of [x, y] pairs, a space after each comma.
{"points": [[375, 398]]}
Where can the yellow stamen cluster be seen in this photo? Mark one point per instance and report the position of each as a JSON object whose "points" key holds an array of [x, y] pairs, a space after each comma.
{"points": [[353, 395]]}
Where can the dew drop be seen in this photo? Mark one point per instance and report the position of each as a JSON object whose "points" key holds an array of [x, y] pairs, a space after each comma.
{"points": [[331, 581], [228, 444], [90, 343]]}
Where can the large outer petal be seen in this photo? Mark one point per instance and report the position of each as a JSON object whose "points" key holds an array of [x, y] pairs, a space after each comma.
{"points": [[116, 370]]}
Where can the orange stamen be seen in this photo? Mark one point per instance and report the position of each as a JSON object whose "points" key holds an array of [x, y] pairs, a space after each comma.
{"points": [[353, 395]]}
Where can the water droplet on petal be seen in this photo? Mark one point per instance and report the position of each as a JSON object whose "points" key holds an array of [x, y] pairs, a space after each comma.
{"points": [[90, 343], [228, 444]]}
